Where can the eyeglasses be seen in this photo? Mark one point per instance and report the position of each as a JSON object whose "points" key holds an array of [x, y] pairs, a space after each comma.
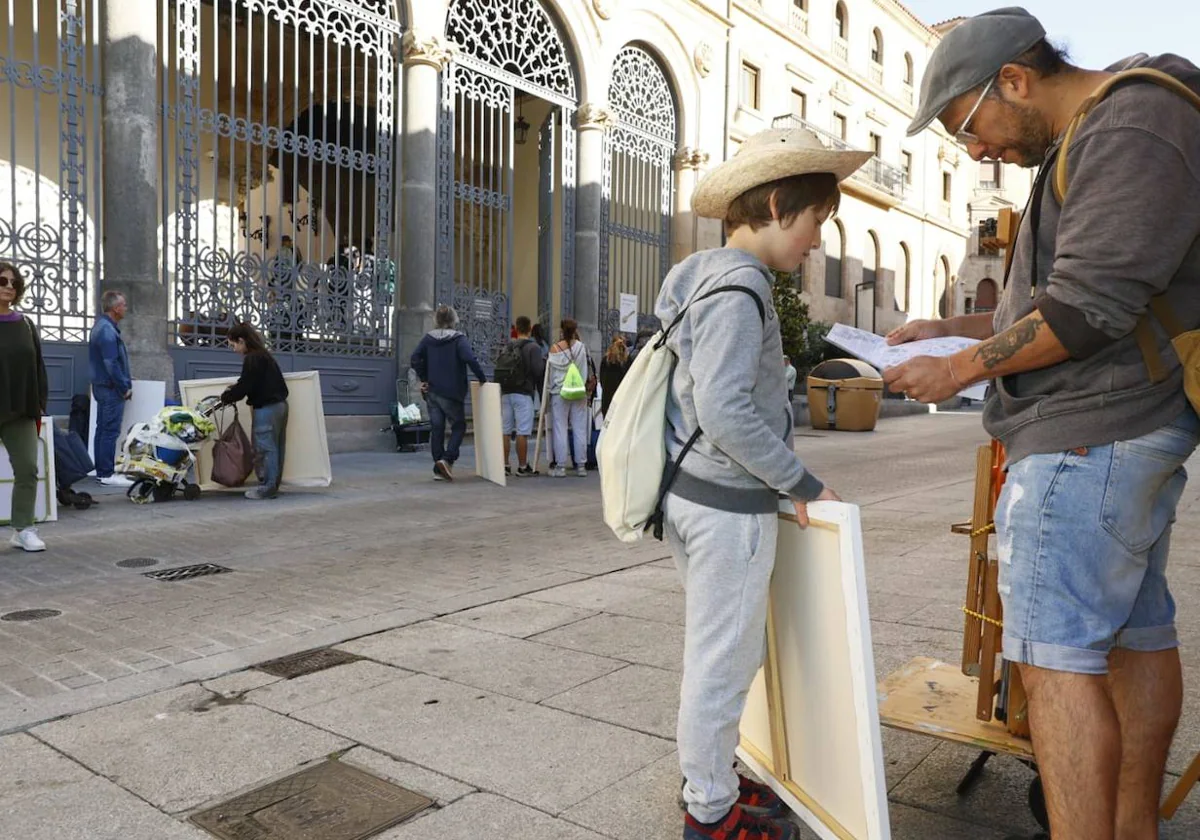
{"points": [[963, 136], [6, 281]]}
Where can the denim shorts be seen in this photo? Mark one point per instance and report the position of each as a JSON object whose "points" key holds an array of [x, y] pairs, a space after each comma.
{"points": [[516, 412], [1083, 541]]}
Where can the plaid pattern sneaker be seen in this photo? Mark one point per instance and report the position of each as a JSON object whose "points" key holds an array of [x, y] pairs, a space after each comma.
{"points": [[756, 798], [739, 825]]}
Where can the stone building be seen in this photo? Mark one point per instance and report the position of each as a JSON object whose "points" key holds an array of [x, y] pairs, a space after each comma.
{"points": [[331, 170]]}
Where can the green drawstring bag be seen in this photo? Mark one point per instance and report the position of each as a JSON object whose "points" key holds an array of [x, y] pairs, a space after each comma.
{"points": [[573, 387]]}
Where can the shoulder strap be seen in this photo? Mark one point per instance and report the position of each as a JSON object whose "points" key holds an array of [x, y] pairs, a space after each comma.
{"points": [[762, 311]]}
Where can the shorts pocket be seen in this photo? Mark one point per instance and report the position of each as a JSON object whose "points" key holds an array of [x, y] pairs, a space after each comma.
{"points": [[1143, 489]]}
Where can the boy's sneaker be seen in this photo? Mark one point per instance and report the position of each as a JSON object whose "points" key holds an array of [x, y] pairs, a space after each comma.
{"points": [[525, 471], [27, 539], [739, 825], [442, 468], [754, 797]]}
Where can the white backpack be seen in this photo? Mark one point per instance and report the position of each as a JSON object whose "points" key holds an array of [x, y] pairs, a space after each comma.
{"points": [[632, 450]]}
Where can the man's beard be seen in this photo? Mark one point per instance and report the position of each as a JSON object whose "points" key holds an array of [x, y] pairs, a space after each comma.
{"points": [[1034, 137]]}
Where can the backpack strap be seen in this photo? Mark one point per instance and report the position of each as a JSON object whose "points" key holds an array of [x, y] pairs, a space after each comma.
{"points": [[656, 519], [1143, 332]]}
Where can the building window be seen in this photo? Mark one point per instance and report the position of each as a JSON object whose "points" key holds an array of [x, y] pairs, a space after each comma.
{"points": [[839, 125], [749, 86], [835, 255], [877, 47], [841, 22], [800, 5], [903, 277], [799, 104], [877, 144], [989, 174], [906, 163], [947, 185], [908, 69]]}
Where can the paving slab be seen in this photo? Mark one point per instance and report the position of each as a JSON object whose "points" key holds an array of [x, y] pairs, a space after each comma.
{"points": [[527, 670], [518, 617], [484, 815], [647, 577], [597, 594], [638, 697], [541, 757], [46, 796], [442, 789], [183, 747], [239, 683], [641, 806], [630, 639], [288, 696], [668, 607]]}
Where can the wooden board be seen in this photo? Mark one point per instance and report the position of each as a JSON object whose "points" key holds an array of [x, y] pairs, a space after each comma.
{"points": [[490, 445], [934, 698], [306, 456], [811, 726]]}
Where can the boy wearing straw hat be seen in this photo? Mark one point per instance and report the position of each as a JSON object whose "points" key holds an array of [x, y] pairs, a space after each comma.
{"points": [[720, 516]]}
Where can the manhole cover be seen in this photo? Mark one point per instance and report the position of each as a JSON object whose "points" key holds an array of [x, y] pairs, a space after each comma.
{"points": [[137, 563], [30, 615], [331, 801], [309, 662], [187, 572]]}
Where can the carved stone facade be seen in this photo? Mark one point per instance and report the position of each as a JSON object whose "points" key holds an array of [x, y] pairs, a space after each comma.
{"points": [[690, 157], [593, 116], [426, 48]]}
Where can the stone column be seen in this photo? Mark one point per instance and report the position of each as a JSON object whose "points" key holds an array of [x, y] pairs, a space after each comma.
{"points": [[592, 120], [425, 55], [130, 171], [688, 163]]}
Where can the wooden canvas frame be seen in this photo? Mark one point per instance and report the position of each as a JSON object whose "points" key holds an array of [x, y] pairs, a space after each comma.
{"points": [[811, 726]]}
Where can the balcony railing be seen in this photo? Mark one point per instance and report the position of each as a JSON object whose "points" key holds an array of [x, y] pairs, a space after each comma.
{"points": [[877, 73], [841, 50], [799, 19], [876, 173]]}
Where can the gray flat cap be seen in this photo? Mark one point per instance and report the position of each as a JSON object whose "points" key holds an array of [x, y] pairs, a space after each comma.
{"points": [[969, 55]]}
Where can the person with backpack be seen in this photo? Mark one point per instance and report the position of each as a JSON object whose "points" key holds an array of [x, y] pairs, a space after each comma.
{"points": [[1089, 398], [713, 383], [568, 363], [519, 370], [441, 361]]}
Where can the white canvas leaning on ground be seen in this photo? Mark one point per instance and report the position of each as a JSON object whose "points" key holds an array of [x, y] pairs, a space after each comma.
{"points": [[47, 497], [490, 444], [306, 457], [148, 398], [811, 725]]}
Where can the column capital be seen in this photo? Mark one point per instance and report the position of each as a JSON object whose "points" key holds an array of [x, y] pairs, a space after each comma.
{"points": [[594, 116], [426, 48], [690, 157]]}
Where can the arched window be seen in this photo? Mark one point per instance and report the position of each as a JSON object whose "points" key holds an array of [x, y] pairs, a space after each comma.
{"points": [[941, 289], [903, 279], [835, 257], [877, 47], [800, 5], [841, 22], [985, 295], [908, 69], [871, 259]]}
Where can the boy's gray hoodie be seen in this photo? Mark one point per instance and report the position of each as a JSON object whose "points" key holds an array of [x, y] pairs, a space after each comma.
{"points": [[729, 381]]}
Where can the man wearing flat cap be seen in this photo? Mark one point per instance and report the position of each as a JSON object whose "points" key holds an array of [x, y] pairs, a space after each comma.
{"points": [[1087, 397]]}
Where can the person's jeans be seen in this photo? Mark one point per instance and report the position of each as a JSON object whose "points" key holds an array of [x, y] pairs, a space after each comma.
{"points": [[110, 411], [269, 428], [443, 410], [20, 438]]}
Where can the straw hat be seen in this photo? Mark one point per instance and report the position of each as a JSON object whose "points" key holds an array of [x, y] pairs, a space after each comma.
{"points": [[768, 156]]}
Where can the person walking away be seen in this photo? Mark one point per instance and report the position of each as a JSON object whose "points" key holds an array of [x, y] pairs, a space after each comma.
{"points": [[441, 361], [612, 370], [721, 512], [790, 372], [112, 385], [1087, 397], [519, 370], [570, 408], [265, 391], [24, 390]]}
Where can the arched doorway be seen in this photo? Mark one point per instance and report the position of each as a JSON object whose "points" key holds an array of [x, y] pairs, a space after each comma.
{"points": [[985, 295], [867, 292], [278, 161], [943, 300], [903, 279], [835, 257], [636, 197], [508, 84]]}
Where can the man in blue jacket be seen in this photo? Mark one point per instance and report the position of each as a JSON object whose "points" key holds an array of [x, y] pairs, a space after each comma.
{"points": [[441, 361], [112, 385]]}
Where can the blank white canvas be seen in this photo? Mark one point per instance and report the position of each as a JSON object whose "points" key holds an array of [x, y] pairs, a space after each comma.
{"points": [[490, 443], [148, 398], [46, 509]]}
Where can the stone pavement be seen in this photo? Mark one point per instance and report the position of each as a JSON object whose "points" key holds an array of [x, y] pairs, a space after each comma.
{"points": [[517, 664]]}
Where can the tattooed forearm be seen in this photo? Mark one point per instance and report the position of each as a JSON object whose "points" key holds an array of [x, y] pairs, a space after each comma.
{"points": [[1003, 347]]}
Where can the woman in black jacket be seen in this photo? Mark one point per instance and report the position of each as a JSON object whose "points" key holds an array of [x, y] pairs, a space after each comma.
{"points": [[262, 385]]}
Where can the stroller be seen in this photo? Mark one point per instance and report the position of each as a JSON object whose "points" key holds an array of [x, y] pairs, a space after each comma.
{"points": [[159, 455], [71, 464]]}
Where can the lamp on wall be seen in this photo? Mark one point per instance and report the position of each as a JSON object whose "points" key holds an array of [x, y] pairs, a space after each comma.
{"points": [[522, 126]]}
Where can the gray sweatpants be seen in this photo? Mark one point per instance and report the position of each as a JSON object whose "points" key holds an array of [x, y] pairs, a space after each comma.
{"points": [[725, 560]]}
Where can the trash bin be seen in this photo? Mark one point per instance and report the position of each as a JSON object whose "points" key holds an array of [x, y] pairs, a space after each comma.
{"points": [[844, 394]]}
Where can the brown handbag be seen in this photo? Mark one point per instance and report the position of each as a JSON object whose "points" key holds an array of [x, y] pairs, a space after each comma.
{"points": [[233, 455]]}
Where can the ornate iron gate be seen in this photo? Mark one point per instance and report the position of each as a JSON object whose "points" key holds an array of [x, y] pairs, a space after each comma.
{"points": [[50, 177], [635, 209], [278, 180], [507, 48], [545, 289]]}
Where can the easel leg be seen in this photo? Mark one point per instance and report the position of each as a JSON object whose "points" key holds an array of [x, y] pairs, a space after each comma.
{"points": [[1181, 790], [973, 774]]}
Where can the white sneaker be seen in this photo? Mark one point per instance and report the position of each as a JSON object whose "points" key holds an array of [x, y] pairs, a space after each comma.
{"points": [[581, 472], [117, 480], [27, 539]]}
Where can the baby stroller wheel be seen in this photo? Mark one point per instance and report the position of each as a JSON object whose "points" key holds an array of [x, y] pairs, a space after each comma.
{"points": [[191, 492], [163, 492], [142, 491]]}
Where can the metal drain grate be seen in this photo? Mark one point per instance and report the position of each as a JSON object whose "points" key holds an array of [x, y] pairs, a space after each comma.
{"points": [[297, 665], [137, 563], [187, 572], [331, 801], [30, 615]]}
